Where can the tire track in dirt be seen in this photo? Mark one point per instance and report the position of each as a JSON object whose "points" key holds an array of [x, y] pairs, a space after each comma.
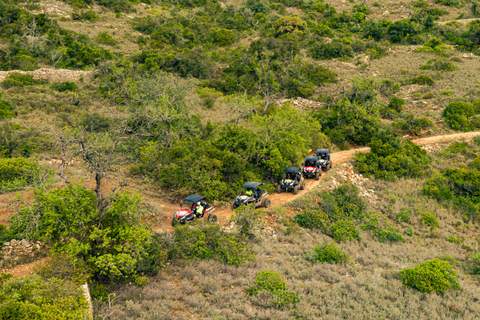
{"points": [[278, 199]]}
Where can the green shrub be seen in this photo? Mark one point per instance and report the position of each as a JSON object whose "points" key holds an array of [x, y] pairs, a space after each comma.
{"points": [[410, 232], [454, 239], [110, 239], [24, 62], [447, 93], [32, 298], [206, 241], [64, 86], [209, 96], [429, 218], [272, 282], [439, 65], [328, 253], [16, 79], [331, 50], [311, 219], [391, 157], [6, 109], [88, 15], [390, 234], [404, 215], [422, 80], [17, 173], [433, 275], [95, 122], [344, 231], [461, 116], [105, 38], [224, 37]]}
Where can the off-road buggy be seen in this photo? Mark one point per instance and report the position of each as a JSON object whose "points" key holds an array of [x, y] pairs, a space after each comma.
{"points": [[292, 180], [188, 208], [251, 193], [312, 168], [324, 159]]}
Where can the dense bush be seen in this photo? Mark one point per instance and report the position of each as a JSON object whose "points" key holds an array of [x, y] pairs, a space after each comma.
{"points": [[463, 115], [6, 109], [33, 297], [205, 241], [111, 239], [17, 173], [64, 86], [272, 282], [382, 231], [390, 158], [422, 80], [331, 50], [433, 275], [16, 79], [344, 231], [328, 253], [459, 187], [312, 220]]}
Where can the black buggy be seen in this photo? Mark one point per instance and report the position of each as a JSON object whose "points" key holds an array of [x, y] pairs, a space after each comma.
{"points": [[292, 180], [312, 168], [187, 212], [251, 193], [324, 159]]}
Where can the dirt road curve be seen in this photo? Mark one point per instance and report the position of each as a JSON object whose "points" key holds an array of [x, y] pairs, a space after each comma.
{"points": [[277, 199]]}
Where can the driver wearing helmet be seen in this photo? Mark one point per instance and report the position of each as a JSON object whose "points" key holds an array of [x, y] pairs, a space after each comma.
{"points": [[199, 209]]}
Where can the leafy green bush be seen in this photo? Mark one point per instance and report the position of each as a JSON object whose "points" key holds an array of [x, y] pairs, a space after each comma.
{"points": [[460, 186], [65, 267], [105, 38], [473, 264], [64, 86], [328, 253], [206, 241], [429, 218], [17, 173], [422, 80], [110, 239], [88, 15], [390, 158], [454, 239], [382, 231], [404, 215], [440, 65], [344, 231], [16, 79], [330, 50], [462, 115], [390, 234], [32, 298], [6, 109], [433, 275], [272, 282], [312, 220]]}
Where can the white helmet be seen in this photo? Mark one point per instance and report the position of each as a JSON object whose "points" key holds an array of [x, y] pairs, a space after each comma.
{"points": [[198, 203]]}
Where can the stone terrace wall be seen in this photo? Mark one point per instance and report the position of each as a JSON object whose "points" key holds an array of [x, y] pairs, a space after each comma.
{"points": [[58, 75], [17, 251]]}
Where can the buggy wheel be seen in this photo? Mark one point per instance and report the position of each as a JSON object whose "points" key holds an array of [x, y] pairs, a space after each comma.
{"points": [[173, 222], [266, 203], [212, 218], [302, 186], [330, 165], [234, 206], [317, 175], [279, 189], [295, 190]]}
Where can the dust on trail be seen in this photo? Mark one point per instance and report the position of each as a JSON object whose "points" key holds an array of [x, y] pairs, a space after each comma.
{"points": [[279, 199]]}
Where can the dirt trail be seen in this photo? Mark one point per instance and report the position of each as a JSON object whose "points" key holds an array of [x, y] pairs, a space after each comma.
{"points": [[278, 199]]}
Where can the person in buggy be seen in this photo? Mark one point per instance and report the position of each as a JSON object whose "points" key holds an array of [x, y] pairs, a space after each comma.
{"points": [[292, 180], [324, 159], [193, 207], [251, 193]]}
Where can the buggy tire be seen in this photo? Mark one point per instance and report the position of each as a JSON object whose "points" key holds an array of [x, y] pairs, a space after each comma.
{"points": [[212, 218], [267, 203], [173, 222], [279, 189], [330, 165], [317, 175], [302, 186], [234, 206], [295, 190]]}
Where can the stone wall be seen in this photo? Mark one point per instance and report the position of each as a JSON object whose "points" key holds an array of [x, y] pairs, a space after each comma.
{"points": [[57, 75], [19, 251]]}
